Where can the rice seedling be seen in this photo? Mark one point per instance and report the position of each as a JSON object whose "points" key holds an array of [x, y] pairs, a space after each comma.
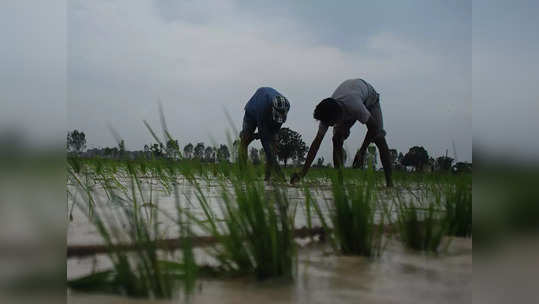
{"points": [[252, 222], [311, 203], [140, 273], [421, 221], [255, 232], [351, 218], [458, 206]]}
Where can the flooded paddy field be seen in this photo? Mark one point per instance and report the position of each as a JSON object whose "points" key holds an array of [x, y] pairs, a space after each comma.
{"points": [[81, 231], [398, 276], [400, 245]]}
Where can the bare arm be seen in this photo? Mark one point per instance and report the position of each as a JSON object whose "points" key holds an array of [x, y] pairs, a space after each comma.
{"points": [[313, 149]]}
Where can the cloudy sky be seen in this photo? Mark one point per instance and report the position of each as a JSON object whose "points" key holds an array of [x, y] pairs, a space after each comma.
{"points": [[204, 58], [111, 61], [505, 77], [33, 70]]}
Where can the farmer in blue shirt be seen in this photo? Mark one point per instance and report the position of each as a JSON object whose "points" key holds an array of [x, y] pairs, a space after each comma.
{"points": [[265, 111]]}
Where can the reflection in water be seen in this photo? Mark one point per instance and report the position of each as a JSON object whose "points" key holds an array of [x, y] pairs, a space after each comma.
{"points": [[399, 276]]}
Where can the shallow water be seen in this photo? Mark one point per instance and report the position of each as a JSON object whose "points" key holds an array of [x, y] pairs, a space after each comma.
{"points": [[81, 232], [399, 276]]}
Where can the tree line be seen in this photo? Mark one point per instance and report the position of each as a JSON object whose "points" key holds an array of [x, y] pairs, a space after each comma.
{"points": [[290, 147]]}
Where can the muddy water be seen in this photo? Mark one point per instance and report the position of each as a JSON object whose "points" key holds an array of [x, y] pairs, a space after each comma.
{"points": [[81, 232], [399, 276]]}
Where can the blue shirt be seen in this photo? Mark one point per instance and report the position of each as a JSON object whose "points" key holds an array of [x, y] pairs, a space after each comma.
{"points": [[259, 108], [261, 101]]}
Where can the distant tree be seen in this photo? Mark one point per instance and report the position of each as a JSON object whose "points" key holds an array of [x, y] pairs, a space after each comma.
{"points": [[113, 152], [188, 150], [431, 164], [173, 149], [223, 154], [121, 148], [76, 141], [301, 150], [156, 150], [417, 157], [461, 167], [444, 163], [290, 146], [319, 163], [109, 152], [254, 155], [209, 154], [199, 151]]}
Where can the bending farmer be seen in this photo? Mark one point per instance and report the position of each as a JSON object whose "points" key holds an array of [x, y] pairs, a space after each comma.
{"points": [[354, 100], [267, 111]]}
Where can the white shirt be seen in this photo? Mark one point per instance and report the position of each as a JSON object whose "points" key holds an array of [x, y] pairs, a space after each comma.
{"points": [[354, 95]]}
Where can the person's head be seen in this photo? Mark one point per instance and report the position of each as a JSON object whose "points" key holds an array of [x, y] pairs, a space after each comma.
{"points": [[328, 111], [280, 108]]}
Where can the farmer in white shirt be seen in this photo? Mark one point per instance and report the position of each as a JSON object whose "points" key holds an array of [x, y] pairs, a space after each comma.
{"points": [[354, 100]]}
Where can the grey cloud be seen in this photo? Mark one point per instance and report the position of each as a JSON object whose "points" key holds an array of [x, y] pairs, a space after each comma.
{"points": [[33, 77], [125, 55], [505, 73]]}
